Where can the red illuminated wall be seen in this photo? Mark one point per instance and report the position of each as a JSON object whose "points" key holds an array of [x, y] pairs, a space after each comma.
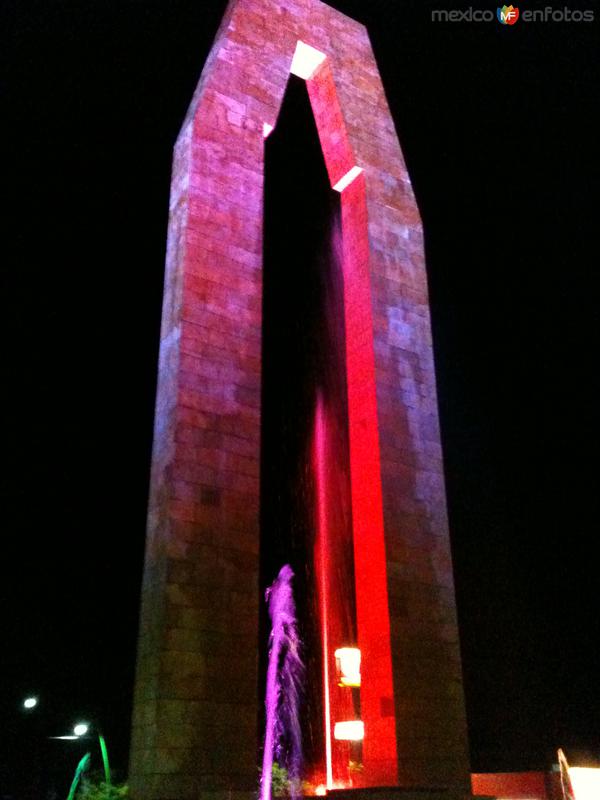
{"points": [[196, 688], [517, 785]]}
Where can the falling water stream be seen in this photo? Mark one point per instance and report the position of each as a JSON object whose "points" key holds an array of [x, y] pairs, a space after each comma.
{"points": [[306, 505], [285, 679]]}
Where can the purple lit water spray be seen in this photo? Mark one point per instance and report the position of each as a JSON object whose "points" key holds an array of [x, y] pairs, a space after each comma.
{"points": [[285, 678]]}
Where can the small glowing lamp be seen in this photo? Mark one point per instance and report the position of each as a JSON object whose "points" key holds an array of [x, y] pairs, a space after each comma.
{"points": [[267, 128], [30, 702], [81, 729], [351, 731], [306, 60], [348, 664], [321, 790], [585, 782]]}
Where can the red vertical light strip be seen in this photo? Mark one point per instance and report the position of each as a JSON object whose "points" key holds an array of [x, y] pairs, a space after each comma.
{"points": [[373, 622], [380, 757], [330, 123], [321, 561]]}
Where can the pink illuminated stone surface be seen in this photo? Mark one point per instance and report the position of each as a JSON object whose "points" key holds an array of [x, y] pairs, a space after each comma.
{"points": [[195, 728]]}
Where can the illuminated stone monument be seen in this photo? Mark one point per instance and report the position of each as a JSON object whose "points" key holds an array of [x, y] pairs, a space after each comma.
{"points": [[197, 714]]}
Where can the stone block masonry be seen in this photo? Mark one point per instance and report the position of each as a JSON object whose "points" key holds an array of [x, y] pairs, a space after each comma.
{"points": [[196, 699]]}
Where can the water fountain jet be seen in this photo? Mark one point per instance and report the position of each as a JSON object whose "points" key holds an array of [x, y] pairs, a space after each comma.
{"points": [[285, 679]]}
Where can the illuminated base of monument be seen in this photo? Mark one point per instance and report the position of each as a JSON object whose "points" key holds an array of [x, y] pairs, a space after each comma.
{"points": [[396, 793]]}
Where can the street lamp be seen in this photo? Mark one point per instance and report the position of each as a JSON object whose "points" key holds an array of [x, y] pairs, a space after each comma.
{"points": [[81, 729]]}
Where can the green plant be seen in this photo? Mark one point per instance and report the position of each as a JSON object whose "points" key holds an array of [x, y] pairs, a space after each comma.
{"points": [[100, 790], [280, 782]]}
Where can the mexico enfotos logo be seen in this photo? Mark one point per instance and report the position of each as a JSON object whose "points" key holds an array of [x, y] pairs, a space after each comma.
{"points": [[508, 15]]}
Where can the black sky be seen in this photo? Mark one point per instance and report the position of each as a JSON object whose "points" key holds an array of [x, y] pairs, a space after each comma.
{"points": [[498, 128]]}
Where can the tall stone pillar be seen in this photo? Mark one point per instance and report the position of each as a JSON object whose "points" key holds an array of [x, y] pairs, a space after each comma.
{"points": [[196, 699]]}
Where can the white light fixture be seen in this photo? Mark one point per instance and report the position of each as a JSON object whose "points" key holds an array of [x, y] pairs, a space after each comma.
{"points": [[348, 664], [348, 178], [585, 782], [306, 60], [351, 731], [30, 702], [65, 738], [81, 729]]}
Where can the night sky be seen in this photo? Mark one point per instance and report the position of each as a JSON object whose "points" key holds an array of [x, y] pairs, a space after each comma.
{"points": [[498, 129]]}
